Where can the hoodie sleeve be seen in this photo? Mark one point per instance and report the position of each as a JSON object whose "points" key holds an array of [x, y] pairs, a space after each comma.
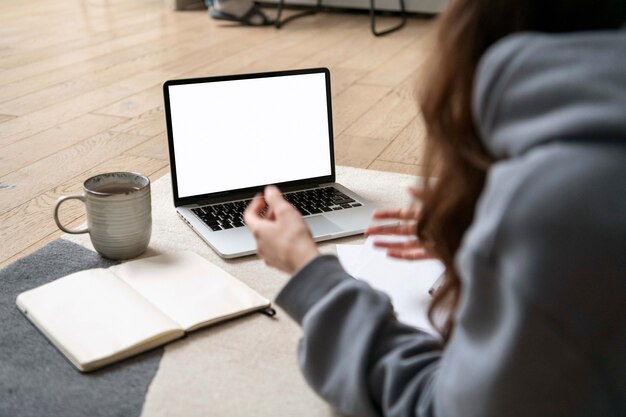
{"points": [[354, 353]]}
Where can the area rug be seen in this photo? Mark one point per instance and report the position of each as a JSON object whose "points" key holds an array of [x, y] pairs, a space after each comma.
{"points": [[245, 367], [35, 378]]}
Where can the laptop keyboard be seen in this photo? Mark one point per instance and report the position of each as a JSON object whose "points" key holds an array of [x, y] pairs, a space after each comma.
{"points": [[317, 200]]}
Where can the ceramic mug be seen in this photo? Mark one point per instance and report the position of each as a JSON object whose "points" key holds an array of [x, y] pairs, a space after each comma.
{"points": [[119, 219]]}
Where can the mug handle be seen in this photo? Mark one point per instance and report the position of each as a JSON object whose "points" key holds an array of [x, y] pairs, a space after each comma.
{"points": [[56, 213]]}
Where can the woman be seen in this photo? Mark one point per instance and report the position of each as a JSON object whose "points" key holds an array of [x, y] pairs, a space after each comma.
{"points": [[526, 117]]}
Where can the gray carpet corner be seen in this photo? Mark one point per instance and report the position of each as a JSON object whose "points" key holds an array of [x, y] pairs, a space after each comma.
{"points": [[35, 378]]}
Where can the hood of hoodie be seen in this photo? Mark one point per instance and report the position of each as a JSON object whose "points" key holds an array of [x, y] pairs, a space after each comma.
{"points": [[533, 88]]}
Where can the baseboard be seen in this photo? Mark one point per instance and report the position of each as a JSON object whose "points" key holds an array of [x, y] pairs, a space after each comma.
{"points": [[414, 6]]}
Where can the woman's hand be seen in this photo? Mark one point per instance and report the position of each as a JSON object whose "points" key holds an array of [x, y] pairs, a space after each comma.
{"points": [[282, 237], [406, 226]]}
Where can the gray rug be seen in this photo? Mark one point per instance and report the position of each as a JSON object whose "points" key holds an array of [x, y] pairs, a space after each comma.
{"points": [[37, 380]]}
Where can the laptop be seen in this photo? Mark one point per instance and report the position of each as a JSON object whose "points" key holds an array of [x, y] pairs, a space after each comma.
{"points": [[230, 136]]}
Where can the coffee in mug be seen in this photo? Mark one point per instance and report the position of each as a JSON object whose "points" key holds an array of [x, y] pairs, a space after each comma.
{"points": [[119, 219]]}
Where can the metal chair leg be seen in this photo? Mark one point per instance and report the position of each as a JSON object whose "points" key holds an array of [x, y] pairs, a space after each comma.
{"points": [[391, 29], [279, 11]]}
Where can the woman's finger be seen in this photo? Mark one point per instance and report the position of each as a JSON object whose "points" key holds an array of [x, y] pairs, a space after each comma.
{"points": [[408, 213], [275, 198], [252, 214], [408, 229], [409, 254], [415, 192], [410, 244]]}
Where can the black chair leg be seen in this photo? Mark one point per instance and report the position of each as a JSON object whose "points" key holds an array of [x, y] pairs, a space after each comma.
{"points": [[391, 29], [279, 11]]}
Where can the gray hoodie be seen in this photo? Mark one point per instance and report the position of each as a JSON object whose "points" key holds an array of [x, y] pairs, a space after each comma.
{"points": [[541, 325]]}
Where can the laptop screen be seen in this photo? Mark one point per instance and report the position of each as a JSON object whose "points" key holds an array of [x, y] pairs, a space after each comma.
{"points": [[240, 133]]}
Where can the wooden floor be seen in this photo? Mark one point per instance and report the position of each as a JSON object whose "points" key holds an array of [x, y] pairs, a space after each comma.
{"points": [[80, 93]]}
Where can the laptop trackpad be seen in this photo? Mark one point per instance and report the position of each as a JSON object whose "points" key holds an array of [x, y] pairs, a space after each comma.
{"points": [[321, 226]]}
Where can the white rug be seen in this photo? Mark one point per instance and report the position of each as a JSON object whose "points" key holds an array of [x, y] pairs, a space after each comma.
{"points": [[246, 367]]}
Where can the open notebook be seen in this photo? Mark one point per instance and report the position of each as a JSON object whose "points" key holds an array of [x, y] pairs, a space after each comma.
{"points": [[100, 316]]}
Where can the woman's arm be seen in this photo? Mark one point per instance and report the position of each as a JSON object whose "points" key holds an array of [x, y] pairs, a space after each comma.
{"points": [[354, 352]]}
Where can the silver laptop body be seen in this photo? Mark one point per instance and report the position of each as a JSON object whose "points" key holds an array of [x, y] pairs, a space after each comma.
{"points": [[230, 136]]}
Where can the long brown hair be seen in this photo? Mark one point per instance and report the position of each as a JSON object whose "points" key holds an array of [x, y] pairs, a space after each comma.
{"points": [[455, 154]]}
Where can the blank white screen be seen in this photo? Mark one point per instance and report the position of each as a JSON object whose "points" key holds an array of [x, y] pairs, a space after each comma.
{"points": [[244, 133]]}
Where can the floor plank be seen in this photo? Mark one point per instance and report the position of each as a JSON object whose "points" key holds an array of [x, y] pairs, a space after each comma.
{"points": [[408, 146], [47, 44], [44, 174], [379, 165], [76, 56], [35, 122], [134, 105], [358, 152], [154, 148], [378, 52], [52, 95], [352, 103], [41, 145], [127, 60], [398, 113], [400, 67], [150, 123], [6, 117]]}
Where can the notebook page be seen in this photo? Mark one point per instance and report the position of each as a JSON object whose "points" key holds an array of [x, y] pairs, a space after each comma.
{"points": [[188, 288], [90, 315]]}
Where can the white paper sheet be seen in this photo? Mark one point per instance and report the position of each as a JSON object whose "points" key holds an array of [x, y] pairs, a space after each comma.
{"points": [[406, 282]]}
